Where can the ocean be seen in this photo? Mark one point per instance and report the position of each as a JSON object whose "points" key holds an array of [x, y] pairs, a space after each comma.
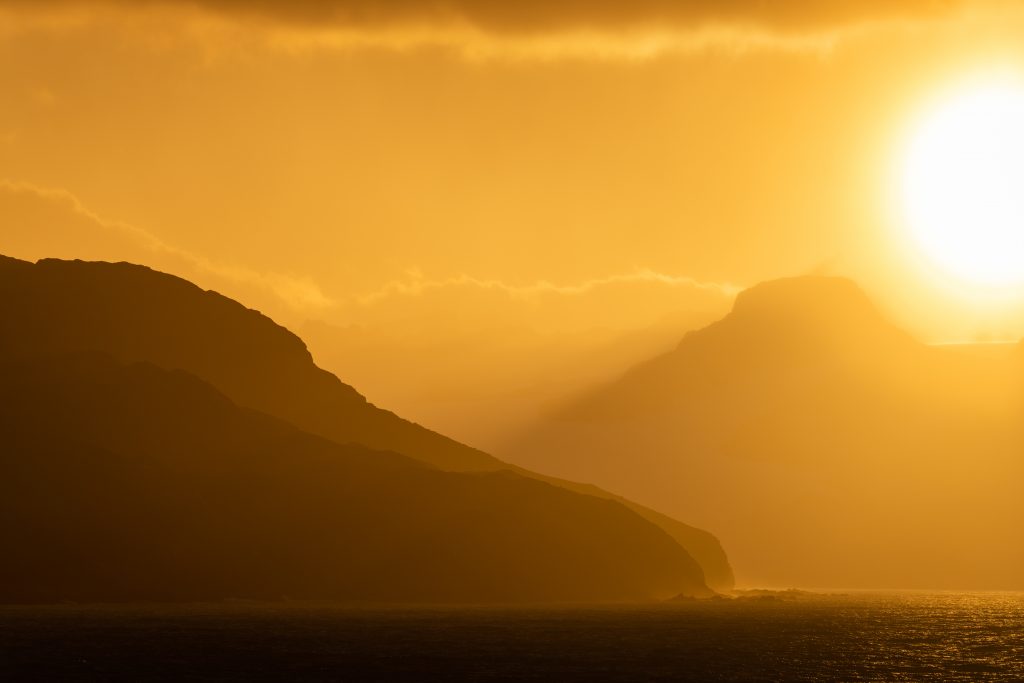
{"points": [[785, 637]]}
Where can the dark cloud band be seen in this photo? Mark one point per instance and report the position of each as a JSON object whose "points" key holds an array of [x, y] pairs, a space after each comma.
{"points": [[548, 16]]}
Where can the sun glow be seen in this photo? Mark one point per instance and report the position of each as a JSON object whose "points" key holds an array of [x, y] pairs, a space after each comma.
{"points": [[963, 185]]}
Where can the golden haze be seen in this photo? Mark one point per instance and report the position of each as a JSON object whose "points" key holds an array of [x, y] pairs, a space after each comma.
{"points": [[476, 215]]}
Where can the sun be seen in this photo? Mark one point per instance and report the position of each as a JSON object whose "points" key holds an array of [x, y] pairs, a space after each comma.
{"points": [[963, 185]]}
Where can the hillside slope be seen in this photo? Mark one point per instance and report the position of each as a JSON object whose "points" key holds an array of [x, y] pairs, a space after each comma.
{"points": [[129, 482], [137, 314]]}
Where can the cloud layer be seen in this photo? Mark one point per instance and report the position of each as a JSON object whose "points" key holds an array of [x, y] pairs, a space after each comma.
{"points": [[43, 223], [416, 285], [471, 307], [540, 16], [48, 223], [488, 28]]}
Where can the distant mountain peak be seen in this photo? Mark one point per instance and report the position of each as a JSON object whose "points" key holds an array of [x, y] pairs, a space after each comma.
{"points": [[806, 308], [805, 295]]}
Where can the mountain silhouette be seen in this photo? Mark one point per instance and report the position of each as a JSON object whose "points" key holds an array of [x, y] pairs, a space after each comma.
{"points": [[134, 314], [137, 314], [806, 420], [131, 482]]}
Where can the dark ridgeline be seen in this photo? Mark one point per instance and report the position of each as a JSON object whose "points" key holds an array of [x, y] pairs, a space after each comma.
{"points": [[150, 453], [828, 430]]}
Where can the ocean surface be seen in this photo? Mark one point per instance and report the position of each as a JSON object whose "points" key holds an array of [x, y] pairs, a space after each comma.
{"points": [[857, 637]]}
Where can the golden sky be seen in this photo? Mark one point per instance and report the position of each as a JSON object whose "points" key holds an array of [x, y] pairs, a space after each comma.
{"points": [[530, 170]]}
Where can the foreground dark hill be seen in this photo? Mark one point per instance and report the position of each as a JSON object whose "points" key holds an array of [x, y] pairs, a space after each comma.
{"points": [[136, 314], [806, 421], [129, 482]]}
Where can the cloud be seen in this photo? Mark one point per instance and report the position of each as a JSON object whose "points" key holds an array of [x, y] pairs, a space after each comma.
{"points": [[42, 223], [521, 27], [541, 16], [470, 307], [416, 285]]}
